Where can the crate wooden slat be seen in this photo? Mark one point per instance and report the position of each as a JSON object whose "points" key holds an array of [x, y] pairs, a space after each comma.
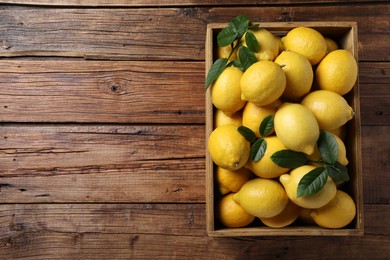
{"points": [[345, 33]]}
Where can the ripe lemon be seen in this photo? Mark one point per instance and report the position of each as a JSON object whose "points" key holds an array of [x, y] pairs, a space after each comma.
{"points": [[232, 181], [317, 200], [299, 74], [262, 198], [308, 42], [331, 45], [228, 148], [220, 118], [263, 83], [280, 43], [296, 127], [268, 45], [338, 213], [329, 108], [231, 214], [265, 167], [224, 52], [253, 115], [342, 152], [285, 218], [226, 91], [337, 72]]}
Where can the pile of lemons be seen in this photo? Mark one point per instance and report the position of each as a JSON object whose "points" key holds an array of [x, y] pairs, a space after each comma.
{"points": [[301, 80]]}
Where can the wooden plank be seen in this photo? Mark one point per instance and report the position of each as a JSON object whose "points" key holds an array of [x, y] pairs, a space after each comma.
{"points": [[135, 34], [136, 91], [120, 163], [139, 231], [101, 91], [90, 163]]}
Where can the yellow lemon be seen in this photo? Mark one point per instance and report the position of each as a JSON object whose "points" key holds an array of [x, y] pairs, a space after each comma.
{"points": [[283, 219], [337, 72], [296, 127], [308, 42], [338, 213], [228, 148], [220, 118], [232, 181], [226, 91], [265, 167], [253, 115], [268, 45], [329, 108], [224, 52], [262, 198], [331, 45], [231, 214], [263, 83], [299, 74], [290, 183], [280, 43]]}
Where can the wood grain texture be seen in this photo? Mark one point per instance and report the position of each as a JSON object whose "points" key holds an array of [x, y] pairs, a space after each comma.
{"points": [[101, 163], [165, 231], [136, 91], [154, 34]]}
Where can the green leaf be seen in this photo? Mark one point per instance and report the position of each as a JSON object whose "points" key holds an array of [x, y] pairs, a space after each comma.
{"points": [[267, 125], [289, 158], [246, 57], [254, 27], [327, 145], [258, 150], [215, 70], [236, 63], [312, 182], [226, 36], [251, 41], [247, 133], [338, 173], [239, 25]]}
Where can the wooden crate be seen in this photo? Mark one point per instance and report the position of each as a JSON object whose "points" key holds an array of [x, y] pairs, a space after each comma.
{"points": [[345, 34]]}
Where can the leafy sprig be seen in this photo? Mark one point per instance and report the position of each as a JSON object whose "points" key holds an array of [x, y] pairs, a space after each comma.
{"points": [[232, 35]]}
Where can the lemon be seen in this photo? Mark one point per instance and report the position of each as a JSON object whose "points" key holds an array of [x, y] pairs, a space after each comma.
{"points": [[220, 118], [342, 152], [329, 108], [337, 72], [263, 83], [265, 167], [262, 198], [299, 74], [290, 183], [231, 214], [232, 181], [228, 148], [283, 219], [331, 45], [280, 43], [296, 127], [338, 213], [226, 91], [308, 42], [224, 52], [268, 45], [340, 132], [253, 115]]}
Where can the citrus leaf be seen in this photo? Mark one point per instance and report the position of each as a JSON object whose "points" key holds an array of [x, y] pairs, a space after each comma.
{"points": [[258, 149], [246, 57], [239, 25], [226, 37], [312, 182], [267, 125], [247, 133], [338, 173], [254, 27], [289, 158], [327, 145], [215, 70], [251, 42], [236, 63]]}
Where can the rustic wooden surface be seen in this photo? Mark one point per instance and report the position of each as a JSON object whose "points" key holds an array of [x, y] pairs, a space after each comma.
{"points": [[102, 129]]}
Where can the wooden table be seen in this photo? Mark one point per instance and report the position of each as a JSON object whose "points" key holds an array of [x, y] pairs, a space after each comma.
{"points": [[102, 110]]}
